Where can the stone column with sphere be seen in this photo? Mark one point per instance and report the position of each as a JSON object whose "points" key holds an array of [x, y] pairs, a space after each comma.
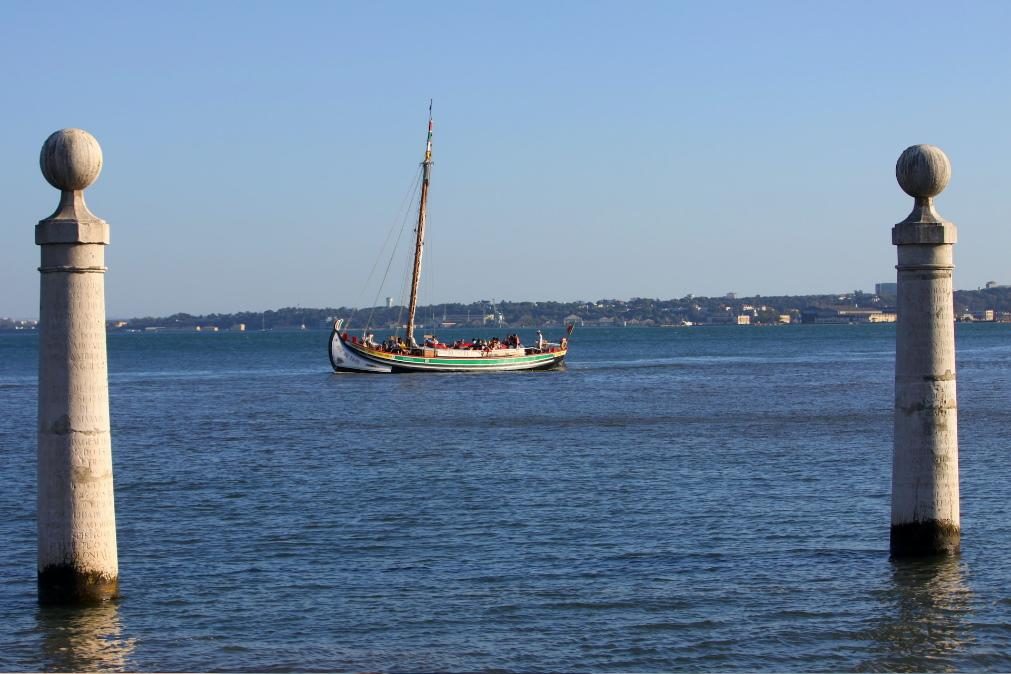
{"points": [[77, 561], [925, 513]]}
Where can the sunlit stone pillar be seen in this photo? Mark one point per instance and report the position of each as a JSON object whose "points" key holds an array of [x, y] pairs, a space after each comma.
{"points": [[925, 517], [76, 515]]}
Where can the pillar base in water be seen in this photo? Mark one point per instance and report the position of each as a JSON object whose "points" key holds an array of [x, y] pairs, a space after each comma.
{"points": [[925, 539], [64, 584]]}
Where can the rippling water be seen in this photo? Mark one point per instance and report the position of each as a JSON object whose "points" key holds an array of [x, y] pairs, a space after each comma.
{"points": [[692, 499]]}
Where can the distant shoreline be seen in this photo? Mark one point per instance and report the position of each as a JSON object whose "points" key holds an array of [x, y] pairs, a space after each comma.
{"points": [[986, 304]]}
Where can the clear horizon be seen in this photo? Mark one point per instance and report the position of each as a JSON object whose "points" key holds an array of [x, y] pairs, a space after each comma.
{"points": [[256, 154]]}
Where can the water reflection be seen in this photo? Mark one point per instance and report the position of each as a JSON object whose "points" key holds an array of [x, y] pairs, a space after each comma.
{"points": [[83, 639], [925, 618]]}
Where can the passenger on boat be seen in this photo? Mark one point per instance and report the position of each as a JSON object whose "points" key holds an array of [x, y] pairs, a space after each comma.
{"points": [[540, 340], [370, 341]]}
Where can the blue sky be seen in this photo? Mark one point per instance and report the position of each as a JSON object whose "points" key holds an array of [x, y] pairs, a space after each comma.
{"points": [[257, 153]]}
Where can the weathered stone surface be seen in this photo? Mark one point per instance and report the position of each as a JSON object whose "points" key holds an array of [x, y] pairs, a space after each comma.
{"points": [[77, 555], [928, 233], [64, 584], [71, 159], [72, 231], [925, 539], [925, 497], [923, 171]]}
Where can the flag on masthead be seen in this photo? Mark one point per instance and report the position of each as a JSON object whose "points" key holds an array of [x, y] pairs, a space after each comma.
{"points": [[428, 147]]}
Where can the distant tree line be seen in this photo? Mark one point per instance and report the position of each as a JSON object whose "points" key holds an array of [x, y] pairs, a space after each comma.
{"points": [[603, 312]]}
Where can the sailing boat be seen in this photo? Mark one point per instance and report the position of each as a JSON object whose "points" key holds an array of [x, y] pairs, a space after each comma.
{"points": [[350, 353]]}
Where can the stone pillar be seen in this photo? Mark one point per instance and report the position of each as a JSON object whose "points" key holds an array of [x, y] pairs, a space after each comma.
{"points": [[925, 517], [76, 516]]}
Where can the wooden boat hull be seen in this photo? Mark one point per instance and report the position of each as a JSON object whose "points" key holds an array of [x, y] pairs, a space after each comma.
{"points": [[346, 356]]}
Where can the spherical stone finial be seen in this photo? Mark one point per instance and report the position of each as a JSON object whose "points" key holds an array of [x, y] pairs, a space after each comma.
{"points": [[71, 159], [923, 171]]}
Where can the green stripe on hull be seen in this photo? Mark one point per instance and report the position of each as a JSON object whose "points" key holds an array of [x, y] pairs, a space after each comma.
{"points": [[512, 367], [545, 364]]}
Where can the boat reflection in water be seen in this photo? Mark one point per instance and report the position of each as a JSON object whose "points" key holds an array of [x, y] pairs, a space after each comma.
{"points": [[86, 638], [928, 607]]}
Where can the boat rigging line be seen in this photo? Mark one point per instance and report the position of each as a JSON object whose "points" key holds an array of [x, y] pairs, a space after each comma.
{"points": [[403, 215]]}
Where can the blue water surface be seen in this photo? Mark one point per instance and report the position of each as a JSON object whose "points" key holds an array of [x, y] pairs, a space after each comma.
{"points": [[703, 499]]}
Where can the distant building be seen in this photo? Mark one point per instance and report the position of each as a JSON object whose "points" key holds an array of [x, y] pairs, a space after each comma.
{"points": [[986, 316], [821, 317], [744, 319], [885, 289], [389, 302], [856, 315], [844, 315]]}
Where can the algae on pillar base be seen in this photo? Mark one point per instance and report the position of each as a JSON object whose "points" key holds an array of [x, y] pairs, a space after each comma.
{"points": [[925, 499], [77, 556]]}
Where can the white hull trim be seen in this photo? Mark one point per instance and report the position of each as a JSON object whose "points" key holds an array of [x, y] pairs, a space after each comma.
{"points": [[345, 360]]}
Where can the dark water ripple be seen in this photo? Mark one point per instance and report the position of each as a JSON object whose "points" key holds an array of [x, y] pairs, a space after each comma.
{"points": [[704, 499]]}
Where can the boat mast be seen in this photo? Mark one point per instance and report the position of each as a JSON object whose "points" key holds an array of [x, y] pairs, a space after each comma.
{"points": [[420, 241]]}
